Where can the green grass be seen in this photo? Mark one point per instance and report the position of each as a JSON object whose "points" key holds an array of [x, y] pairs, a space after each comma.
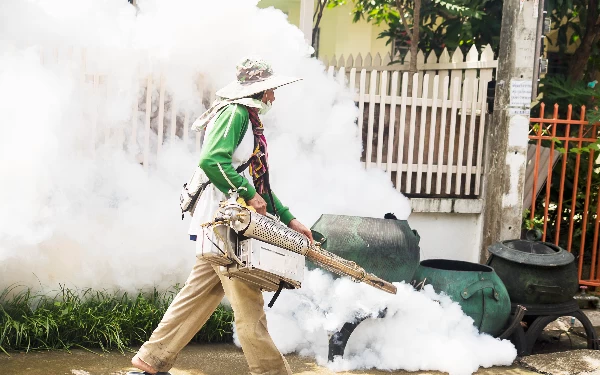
{"points": [[91, 319]]}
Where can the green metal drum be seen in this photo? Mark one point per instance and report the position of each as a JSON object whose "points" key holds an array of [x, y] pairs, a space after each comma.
{"points": [[388, 248], [476, 287], [535, 272]]}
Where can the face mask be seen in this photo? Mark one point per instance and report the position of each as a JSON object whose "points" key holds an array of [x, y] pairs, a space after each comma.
{"points": [[264, 108]]}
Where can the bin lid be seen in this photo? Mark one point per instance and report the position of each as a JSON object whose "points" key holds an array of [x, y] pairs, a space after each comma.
{"points": [[532, 252]]}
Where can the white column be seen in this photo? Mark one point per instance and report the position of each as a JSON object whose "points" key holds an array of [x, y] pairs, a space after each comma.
{"points": [[307, 9]]}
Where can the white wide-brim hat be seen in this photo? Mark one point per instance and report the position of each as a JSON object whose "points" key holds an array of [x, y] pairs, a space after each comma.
{"points": [[253, 76]]}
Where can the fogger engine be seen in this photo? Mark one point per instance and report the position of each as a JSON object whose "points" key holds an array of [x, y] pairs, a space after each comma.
{"points": [[268, 253], [269, 266]]}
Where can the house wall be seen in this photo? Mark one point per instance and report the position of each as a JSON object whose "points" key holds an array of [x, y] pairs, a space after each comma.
{"points": [[454, 236], [289, 7], [339, 35]]}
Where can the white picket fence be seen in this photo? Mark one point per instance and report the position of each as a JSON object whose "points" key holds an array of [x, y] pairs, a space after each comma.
{"points": [[446, 61], [426, 131], [155, 118], [428, 137], [177, 119]]}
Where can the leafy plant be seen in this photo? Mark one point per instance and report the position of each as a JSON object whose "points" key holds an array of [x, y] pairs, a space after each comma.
{"points": [[563, 91], [91, 319], [536, 223]]}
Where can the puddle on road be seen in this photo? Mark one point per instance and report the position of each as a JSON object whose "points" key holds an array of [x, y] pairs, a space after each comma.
{"points": [[81, 362]]}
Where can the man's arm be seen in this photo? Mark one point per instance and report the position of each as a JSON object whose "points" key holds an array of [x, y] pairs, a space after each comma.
{"points": [[217, 151], [284, 213], [215, 160], [286, 216]]}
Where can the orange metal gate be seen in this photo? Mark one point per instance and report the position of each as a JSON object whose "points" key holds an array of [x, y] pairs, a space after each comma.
{"points": [[564, 195]]}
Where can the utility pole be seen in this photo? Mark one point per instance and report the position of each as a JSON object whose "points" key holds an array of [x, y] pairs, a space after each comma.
{"points": [[507, 134]]}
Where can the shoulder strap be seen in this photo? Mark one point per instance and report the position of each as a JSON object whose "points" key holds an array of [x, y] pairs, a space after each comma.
{"points": [[243, 166], [239, 169], [194, 199], [270, 192]]}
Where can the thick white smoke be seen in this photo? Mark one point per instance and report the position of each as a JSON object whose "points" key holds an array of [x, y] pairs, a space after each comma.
{"points": [[420, 331], [89, 220], [80, 211]]}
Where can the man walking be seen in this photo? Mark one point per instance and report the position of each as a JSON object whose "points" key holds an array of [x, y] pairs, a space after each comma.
{"points": [[234, 136]]}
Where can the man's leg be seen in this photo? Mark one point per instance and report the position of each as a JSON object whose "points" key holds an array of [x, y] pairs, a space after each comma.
{"points": [[188, 312], [251, 324]]}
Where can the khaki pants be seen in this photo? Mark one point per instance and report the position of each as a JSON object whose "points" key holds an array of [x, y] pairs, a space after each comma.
{"points": [[191, 308]]}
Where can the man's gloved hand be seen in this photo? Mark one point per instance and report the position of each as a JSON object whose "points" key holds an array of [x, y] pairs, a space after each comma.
{"points": [[299, 227]]}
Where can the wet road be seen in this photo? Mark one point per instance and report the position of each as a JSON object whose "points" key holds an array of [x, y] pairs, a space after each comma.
{"points": [[224, 359]]}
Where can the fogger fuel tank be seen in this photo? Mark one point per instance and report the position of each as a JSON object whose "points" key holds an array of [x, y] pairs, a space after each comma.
{"points": [[388, 248]]}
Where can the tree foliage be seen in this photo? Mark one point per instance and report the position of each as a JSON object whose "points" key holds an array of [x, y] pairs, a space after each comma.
{"points": [[451, 24], [577, 23], [463, 23]]}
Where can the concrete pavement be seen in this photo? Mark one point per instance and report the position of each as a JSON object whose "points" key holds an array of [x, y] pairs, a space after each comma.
{"points": [[223, 359]]}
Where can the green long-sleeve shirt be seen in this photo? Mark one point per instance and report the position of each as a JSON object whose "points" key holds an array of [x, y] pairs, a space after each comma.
{"points": [[217, 152]]}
